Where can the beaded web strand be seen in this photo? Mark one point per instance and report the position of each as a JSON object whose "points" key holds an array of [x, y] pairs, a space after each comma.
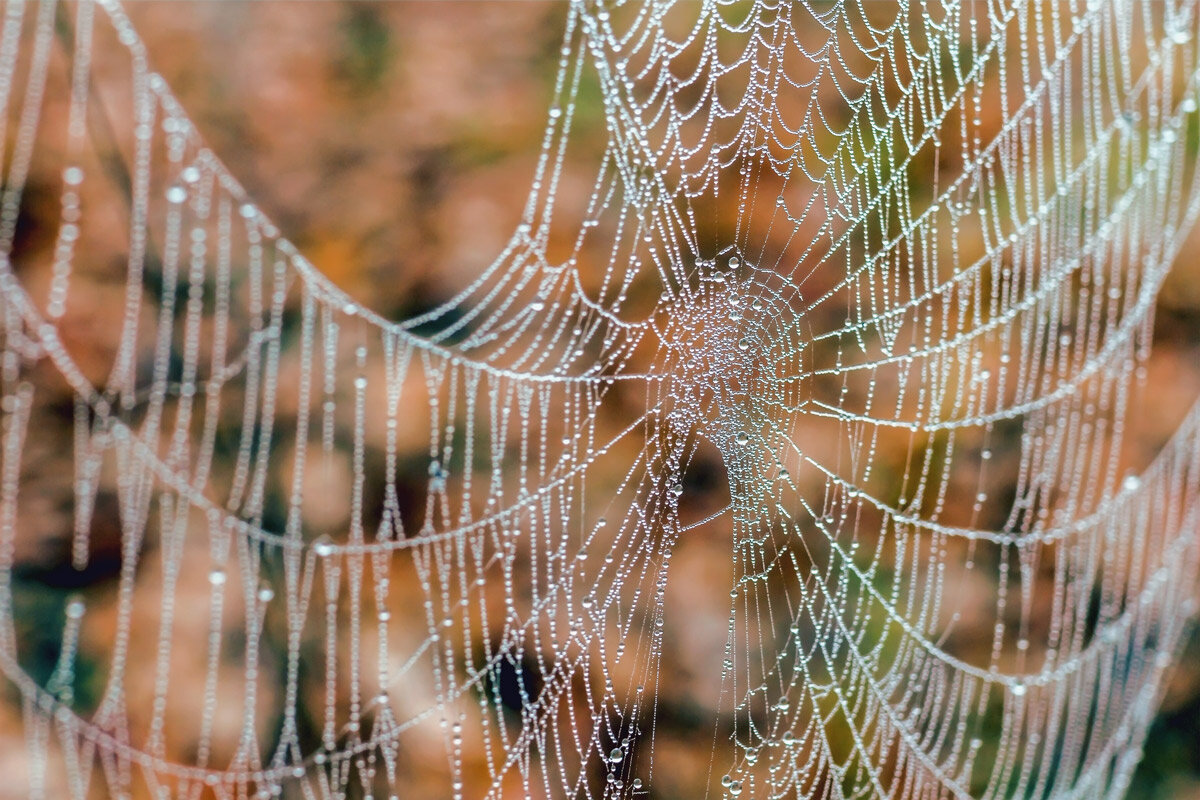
{"points": [[887, 271]]}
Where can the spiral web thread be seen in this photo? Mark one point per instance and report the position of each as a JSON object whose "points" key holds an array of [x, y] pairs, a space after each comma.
{"points": [[895, 266]]}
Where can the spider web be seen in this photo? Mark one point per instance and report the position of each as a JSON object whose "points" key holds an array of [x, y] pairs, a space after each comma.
{"points": [[892, 268]]}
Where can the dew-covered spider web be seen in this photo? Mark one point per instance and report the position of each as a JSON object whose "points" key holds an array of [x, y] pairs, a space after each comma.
{"points": [[880, 278]]}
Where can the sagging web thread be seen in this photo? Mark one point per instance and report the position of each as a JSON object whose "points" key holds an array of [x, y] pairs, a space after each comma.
{"points": [[936, 231]]}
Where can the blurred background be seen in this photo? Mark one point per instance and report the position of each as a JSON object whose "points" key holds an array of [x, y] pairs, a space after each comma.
{"points": [[394, 142]]}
